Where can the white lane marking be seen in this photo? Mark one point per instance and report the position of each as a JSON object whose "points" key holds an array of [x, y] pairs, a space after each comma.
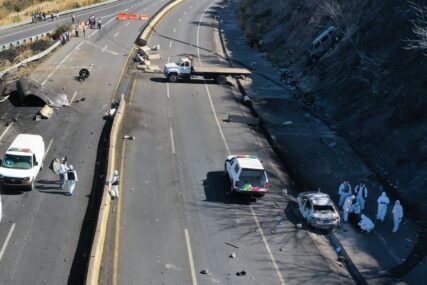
{"points": [[48, 148], [108, 50], [190, 257], [127, 24], [273, 260], [64, 19], [72, 98], [172, 140], [170, 44], [267, 247], [167, 90], [62, 61], [104, 48], [116, 34], [174, 30], [5, 131], [179, 20], [9, 235]]}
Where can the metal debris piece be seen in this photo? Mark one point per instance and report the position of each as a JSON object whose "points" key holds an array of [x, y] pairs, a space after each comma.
{"points": [[128, 137], [241, 273], [231, 244], [28, 87]]}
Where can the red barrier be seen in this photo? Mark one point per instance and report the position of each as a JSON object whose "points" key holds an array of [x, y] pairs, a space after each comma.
{"points": [[144, 17], [132, 16], [122, 16]]}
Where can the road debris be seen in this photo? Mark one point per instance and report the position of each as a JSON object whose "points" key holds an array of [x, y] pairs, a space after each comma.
{"points": [[241, 273], [299, 226], [204, 271], [128, 137], [277, 204], [46, 112], [28, 87], [232, 255], [230, 244]]}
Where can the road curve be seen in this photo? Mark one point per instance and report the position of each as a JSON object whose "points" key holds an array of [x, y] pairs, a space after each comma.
{"points": [[174, 217], [44, 235]]}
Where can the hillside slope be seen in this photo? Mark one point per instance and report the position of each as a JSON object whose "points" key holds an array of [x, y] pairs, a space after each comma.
{"points": [[368, 86]]}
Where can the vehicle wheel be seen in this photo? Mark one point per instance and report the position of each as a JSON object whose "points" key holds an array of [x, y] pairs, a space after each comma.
{"points": [[221, 80], [173, 77]]}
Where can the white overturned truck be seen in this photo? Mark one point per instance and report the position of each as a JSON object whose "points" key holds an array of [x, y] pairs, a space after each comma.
{"points": [[184, 69]]}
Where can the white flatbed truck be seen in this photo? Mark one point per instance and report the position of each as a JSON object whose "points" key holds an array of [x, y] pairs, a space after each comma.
{"points": [[184, 69]]}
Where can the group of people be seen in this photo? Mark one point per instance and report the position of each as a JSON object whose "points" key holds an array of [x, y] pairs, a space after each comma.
{"points": [[353, 203], [67, 175], [64, 37], [95, 23], [42, 16]]}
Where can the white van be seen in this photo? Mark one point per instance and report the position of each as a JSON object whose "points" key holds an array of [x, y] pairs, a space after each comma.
{"points": [[22, 161]]}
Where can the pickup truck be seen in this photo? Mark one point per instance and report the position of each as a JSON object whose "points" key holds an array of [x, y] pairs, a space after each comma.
{"points": [[22, 162], [246, 175], [184, 69]]}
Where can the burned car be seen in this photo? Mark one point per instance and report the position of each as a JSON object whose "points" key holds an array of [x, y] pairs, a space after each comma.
{"points": [[318, 210]]}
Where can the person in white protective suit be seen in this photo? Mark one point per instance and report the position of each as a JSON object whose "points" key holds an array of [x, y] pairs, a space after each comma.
{"points": [[344, 191], [71, 180], [397, 215], [366, 224], [347, 207], [361, 193], [115, 185], [382, 201]]}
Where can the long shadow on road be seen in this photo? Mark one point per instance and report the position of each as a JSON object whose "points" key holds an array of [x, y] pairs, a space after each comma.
{"points": [[80, 260]]}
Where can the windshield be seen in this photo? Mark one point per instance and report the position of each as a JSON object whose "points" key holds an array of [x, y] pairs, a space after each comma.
{"points": [[17, 161], [323, 208]]}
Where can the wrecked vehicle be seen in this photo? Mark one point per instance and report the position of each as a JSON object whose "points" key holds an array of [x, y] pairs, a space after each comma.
{"points": [[324, 42], [318, 210], [246, 175], [28, 87]]}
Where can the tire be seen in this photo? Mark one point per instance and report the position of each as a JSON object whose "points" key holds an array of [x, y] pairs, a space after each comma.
{"points": [[221, 80], [173, 77]]}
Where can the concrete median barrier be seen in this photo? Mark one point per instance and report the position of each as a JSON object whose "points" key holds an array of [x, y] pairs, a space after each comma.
{"points": [[97, 250]]}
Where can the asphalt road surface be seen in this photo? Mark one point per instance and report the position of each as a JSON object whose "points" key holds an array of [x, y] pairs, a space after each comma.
{"points": [[174, 217], [45, 235], [108, 10]]}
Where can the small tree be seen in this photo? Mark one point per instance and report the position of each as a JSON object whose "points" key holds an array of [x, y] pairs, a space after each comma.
{"points": [[419, 27]]}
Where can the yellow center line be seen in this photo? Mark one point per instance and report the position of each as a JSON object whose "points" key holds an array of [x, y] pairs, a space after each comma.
{"points": [[131, 92], [118, 217]]}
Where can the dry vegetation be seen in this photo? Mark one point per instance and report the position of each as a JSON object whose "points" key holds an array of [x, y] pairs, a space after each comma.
{"points": [[12, 56], [12, 11]]}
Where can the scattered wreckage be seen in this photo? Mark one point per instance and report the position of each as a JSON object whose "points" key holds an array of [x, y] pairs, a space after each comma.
{"points": [[144, 55]]}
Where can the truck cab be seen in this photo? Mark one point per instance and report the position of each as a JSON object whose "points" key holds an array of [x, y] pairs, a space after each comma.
{"points": [[183, 67], [246, 175], [22, 162]]}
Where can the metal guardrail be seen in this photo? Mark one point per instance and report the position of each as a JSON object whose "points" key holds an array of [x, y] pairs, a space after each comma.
{"points": [[30, 59], [24, 41]]}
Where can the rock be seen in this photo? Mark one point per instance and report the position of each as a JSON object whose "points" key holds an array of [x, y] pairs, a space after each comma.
{"points": [[204, 271], [232, 255]]}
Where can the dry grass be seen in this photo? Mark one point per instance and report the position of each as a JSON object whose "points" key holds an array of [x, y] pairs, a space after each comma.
{"points": [[8, 17], [12, 56]]}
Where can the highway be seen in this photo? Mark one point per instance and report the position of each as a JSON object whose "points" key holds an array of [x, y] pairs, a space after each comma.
{"points": [[45, 236], [174, 217], [25, 31]]}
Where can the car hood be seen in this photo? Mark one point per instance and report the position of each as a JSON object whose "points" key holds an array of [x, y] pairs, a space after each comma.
{"points": [[328, 215], [16, 173], [171, 65]]}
